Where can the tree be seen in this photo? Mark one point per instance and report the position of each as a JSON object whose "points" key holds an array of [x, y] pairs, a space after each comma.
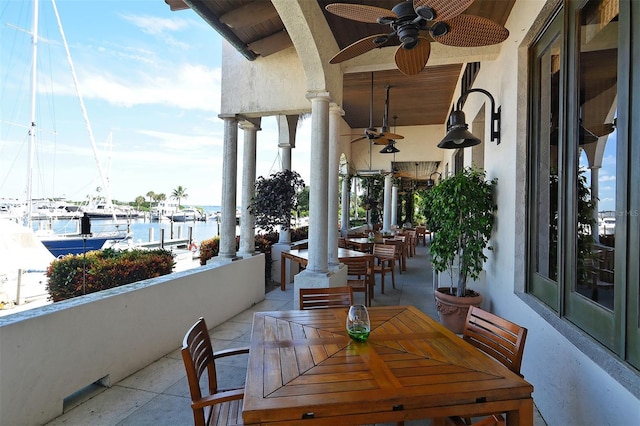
{"points": [[460, 209], [179, 193], [303, 201], [152, 196], [139, 201], [276, 199]]}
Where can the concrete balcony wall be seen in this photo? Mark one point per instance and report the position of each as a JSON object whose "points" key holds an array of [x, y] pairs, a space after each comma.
{"points": [[49, 353]]}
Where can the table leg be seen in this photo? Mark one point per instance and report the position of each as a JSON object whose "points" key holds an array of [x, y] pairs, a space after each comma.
{"points": [[523, 416], [283, 272]]}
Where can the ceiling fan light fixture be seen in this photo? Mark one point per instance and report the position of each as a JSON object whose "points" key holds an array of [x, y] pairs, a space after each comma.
{"points": [[458, 135], [426, 12], [439, 29], [386, 20], [390, 148], [381, 39]]}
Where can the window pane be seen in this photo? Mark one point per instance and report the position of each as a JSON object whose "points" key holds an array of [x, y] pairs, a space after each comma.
{"points": [[597, 140], [546, 216]]}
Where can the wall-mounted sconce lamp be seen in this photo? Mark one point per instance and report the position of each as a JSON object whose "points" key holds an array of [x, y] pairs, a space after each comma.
{"points": [[390, 148], [458, 135], [431, 182]]}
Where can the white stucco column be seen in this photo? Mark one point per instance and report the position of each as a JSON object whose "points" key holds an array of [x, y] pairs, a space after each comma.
{"points": [[335, 112], [287, 126], [394, 205], [248, 220], [346, 204], [386, 213], [229, 183], [317, 273], [318, 194], [595, 176]]}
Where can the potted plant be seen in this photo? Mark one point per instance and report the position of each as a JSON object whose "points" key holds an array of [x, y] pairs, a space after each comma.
{"points": [[276, 199], [460, 212]]}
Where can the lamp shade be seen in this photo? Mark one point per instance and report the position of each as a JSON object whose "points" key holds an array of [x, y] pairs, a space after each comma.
{"points": [[458, 135], [389, 149]]}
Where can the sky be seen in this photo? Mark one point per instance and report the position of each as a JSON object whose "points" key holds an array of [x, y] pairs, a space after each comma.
{"points": [[150, 82]]}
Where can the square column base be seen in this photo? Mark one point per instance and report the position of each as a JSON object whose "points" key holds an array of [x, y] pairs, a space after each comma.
{"points": [[219, 260], [308, 279]]}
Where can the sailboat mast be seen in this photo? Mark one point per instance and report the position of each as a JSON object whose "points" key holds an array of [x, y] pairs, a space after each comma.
{"points": [[82, 106], [32, 125]]}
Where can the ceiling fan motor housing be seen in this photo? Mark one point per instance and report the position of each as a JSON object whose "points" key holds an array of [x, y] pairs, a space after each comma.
{"points": [[406, 25]]}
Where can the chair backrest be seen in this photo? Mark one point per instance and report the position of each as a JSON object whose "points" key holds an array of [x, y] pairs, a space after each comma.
{"points": [[386, 251], [496, 336], [342, 242], [325, 297], [357, 266], [197, 354], [398, 244]]}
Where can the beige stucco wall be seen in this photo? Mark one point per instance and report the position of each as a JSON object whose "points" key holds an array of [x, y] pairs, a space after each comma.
{"points": [[570, 388]]}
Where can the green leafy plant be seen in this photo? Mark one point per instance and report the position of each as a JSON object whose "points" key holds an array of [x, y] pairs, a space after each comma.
{"points": [[460, 209], [75, 275], [276, 199]]}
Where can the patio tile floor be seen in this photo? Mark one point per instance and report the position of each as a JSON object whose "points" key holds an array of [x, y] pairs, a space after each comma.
{"points": [[158, 395]]}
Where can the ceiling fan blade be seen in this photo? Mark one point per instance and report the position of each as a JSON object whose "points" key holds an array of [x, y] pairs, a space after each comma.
{"points": [[359, 139], [412, 61], [390, 135], [356, 49], [403, 174], [472, 31], [444, 9], [382, 140], [359, 12]]}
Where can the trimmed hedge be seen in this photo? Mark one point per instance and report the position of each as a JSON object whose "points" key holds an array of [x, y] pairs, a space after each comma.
{"points": [[104, 269]]}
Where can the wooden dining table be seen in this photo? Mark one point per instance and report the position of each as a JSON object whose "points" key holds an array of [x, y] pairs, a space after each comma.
{"points": [[305, 370], [301, 256], [360, 243]]}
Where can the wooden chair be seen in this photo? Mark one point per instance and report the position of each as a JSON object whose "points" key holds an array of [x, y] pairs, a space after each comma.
{"points": [[498, 338], [216, 406], [360, 276], [342, 242], [384, 261], [421, 235], [411, 242], [400, 252], [325, 297]]}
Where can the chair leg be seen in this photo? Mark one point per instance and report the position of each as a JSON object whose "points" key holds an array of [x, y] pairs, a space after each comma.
{"points": [[393, 276]]}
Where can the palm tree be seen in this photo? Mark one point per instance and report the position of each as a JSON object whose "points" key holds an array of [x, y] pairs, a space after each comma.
{"points": [[152, 196], [179, 193], [139, 201]]}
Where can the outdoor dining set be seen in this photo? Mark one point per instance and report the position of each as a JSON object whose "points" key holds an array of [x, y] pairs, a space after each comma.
{"points": [[333, 361]]}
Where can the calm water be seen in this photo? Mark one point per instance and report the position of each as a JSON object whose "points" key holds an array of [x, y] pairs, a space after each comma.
{"points": [[142, 229]]}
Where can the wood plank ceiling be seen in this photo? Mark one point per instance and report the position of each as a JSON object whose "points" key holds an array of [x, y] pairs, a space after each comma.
{"points": [[255, 29]]}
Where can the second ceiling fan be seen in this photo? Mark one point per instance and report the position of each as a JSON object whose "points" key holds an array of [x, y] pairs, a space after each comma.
{"points": [[384, 136], [409, 20]]}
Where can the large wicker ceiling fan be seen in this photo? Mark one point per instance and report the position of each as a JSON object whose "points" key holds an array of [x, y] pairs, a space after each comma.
{"points": [[443, 19]]}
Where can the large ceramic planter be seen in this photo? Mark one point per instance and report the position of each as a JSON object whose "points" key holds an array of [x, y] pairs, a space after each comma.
{"points": [[452, 310]]}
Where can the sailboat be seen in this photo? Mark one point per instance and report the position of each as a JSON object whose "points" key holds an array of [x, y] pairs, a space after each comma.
{"points": [[83, 240]]}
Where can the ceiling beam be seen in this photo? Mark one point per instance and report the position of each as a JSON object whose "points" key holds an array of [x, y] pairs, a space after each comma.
{"points": [[249, 15], [272, 44]]}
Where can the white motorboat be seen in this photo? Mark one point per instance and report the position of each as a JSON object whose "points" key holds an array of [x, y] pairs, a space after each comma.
{"points": [[187, 215]]}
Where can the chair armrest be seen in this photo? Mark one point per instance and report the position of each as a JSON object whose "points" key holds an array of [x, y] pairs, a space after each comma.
{"points": [[218, 398], [229, 352]]}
